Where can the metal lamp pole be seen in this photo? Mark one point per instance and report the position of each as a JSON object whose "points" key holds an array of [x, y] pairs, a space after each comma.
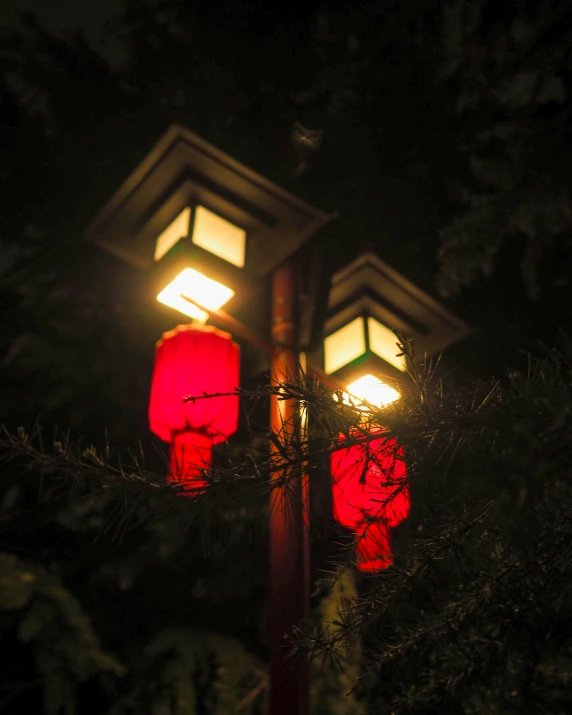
{"points": [[289, 597], [289, 577]]}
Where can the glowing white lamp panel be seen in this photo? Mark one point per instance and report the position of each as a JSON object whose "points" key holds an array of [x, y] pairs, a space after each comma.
{"points": [[345, 345], [199, 289], [175, 231], [371, 390], [219, 236], [383, 342]]}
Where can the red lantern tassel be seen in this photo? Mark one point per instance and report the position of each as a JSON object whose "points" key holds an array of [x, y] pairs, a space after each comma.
{"points": [[373, 547], [190, 455]]}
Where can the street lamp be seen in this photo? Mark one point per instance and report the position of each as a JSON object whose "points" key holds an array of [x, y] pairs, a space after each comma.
{"points": [[199, 260], [208, 230], [357, 350], [190, 214], [368, 303]]}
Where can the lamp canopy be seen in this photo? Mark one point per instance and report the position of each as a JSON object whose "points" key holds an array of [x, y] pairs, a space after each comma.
{"points": [[224, 217]]}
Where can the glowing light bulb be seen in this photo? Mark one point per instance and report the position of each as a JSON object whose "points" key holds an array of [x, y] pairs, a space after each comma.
{"points": [[370, 390], [199, 289]]}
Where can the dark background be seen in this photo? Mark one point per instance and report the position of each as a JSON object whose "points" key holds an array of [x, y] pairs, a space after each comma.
{"points": [[445, 140], [446, 147]]}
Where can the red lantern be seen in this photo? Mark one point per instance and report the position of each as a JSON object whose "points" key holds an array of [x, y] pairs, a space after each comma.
{"points": [[194, 360], [369, 489], [373, 547]]}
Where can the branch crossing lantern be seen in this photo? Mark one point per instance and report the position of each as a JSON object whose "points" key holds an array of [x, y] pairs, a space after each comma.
{"points": [[370, 493], [369, 303], [194, 360]]}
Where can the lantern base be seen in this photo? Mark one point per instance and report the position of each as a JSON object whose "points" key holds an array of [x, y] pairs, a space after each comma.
{"points": [[373, 547], [190, 456]]}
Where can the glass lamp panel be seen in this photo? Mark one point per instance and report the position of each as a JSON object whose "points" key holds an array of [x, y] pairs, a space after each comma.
{"points": [[219, 236], [383, 342], [175, 231], [198, 288], [345, 345], [371, 390]]}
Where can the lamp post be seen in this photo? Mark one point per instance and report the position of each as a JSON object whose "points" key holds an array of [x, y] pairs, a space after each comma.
{"points": [[208, 231], [289, 535]]}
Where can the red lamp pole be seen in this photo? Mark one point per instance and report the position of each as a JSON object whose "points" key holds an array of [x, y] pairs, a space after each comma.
{"points": [[289, 585]]}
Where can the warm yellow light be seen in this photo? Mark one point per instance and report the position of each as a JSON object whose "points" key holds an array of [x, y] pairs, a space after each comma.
{"points": [[345, 345], [219, 236], [198, 288], [369, 389], [383, 342], [175, 231]]}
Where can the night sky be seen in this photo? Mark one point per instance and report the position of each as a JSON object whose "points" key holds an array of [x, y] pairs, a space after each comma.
{"points": [[61, 16]]}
